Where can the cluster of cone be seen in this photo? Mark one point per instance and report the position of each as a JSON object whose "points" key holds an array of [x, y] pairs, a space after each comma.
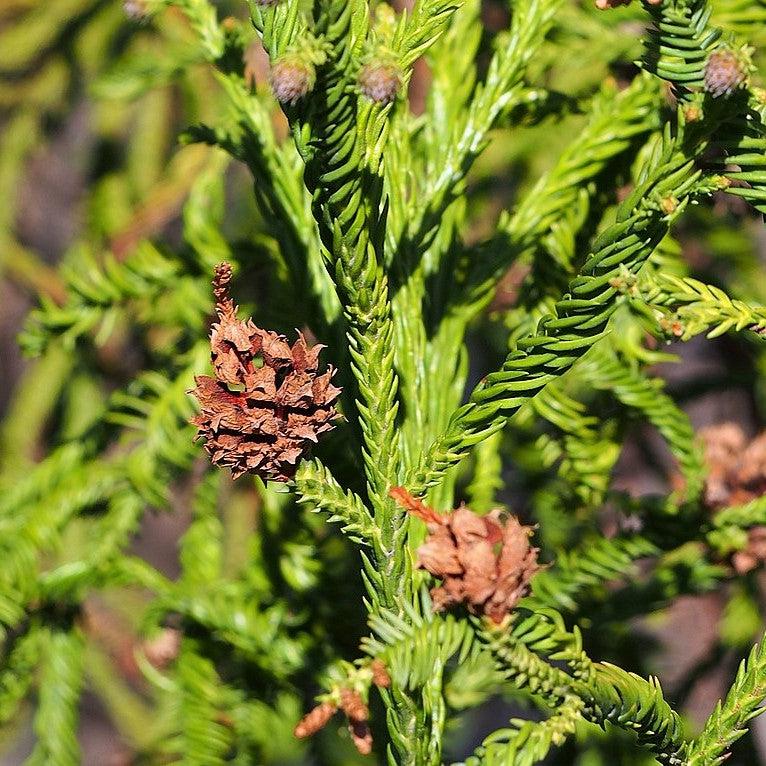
{"points": [[350, 701]]}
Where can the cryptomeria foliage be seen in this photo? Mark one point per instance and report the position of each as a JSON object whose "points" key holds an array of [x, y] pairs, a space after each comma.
{"points": [[388, 178]]}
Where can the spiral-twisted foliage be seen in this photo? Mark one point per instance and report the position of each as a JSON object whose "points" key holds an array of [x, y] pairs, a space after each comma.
{"points": [[493, 221]]}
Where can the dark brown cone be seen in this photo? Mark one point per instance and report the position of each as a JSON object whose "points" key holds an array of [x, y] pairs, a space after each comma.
{"points": [[267, 404], [484, 562]]}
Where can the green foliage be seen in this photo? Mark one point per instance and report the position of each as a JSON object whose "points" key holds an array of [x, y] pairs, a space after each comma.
{"points": [[492, 248], [728, 721], [57, 711]]}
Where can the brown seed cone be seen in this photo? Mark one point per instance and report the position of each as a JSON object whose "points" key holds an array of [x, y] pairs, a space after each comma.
{"points": [[314, 720], [736, 468], [753, 554], [267, 404], [724, 445], [484, 562]]}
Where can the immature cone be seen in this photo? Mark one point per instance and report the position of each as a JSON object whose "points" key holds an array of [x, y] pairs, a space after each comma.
{"points": [[267, 404], [358, 714], [380, 675], [485, 562], [135, 9], [292, 78], [164, 648], [724, 73], [314, 720], [379, 82]]}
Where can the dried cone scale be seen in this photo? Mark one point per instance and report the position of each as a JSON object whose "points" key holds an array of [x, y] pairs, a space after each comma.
{"points": [[267, 404]]}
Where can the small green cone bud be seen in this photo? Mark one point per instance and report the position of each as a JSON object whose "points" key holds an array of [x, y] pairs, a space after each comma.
{"points": [[292, 78], [725, 72], [379, 82]]}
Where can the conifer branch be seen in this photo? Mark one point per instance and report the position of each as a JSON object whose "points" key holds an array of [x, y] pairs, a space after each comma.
{"points": [[617, 119], [528, 741], [373, 228], [728, 722], [58, 711], [631, 387], [21, 656], [610, 694], [697, 308], [317, 487], [204, 737]]}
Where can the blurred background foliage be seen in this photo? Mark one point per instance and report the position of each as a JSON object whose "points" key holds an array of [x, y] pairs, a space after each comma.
{"points": [[112, 223]]}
